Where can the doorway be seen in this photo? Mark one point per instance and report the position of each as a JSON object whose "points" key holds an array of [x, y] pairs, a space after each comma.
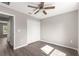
{"points": [[6, 31]]}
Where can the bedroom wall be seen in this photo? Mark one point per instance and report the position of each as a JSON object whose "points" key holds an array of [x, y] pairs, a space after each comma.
{"points": [[61, 30]]}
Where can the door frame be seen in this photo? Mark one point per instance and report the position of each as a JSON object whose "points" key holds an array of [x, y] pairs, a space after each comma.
{"points": [[13, 16]]}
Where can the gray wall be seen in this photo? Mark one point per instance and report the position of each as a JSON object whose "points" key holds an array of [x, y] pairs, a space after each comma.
{"points": [[61, 29]]}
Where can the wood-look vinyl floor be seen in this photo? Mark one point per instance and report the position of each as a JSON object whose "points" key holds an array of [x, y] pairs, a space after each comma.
{"points": [[32, 49]]}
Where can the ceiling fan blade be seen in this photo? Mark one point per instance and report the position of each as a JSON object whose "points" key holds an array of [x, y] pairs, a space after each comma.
{"points": [[32, 6], [44, 12], [52, 7], [36, 11]]}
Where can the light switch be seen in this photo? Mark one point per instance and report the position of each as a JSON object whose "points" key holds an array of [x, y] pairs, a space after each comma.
{"points": [[70, 41], [18, 30]]}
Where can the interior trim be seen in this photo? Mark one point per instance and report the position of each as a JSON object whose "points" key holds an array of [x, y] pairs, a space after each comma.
{"points": [[60, 45]]}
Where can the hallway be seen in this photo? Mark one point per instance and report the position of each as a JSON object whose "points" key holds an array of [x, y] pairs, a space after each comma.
{"points": [[5, 50]]}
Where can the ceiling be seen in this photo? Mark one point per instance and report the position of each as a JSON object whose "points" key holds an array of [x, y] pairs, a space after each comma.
{"points": [[61, 7]]}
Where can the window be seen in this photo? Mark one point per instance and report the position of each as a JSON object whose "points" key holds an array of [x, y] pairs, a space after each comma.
{"points": [[5, 29]]}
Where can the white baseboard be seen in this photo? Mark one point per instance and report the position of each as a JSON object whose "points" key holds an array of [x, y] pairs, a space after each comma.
{"points": [[32, 42], [20, 46], [60, 45], [47, 42], [23, 45]]}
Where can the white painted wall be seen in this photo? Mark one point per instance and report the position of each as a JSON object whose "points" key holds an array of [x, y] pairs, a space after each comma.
{"points": [[61, 30], [33, 30]]}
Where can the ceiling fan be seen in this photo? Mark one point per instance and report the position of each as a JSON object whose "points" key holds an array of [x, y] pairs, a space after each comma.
{"points": [[41, 7]]}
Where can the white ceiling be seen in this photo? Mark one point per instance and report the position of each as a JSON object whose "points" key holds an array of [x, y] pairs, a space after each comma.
{"points": [[61, 7]]}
